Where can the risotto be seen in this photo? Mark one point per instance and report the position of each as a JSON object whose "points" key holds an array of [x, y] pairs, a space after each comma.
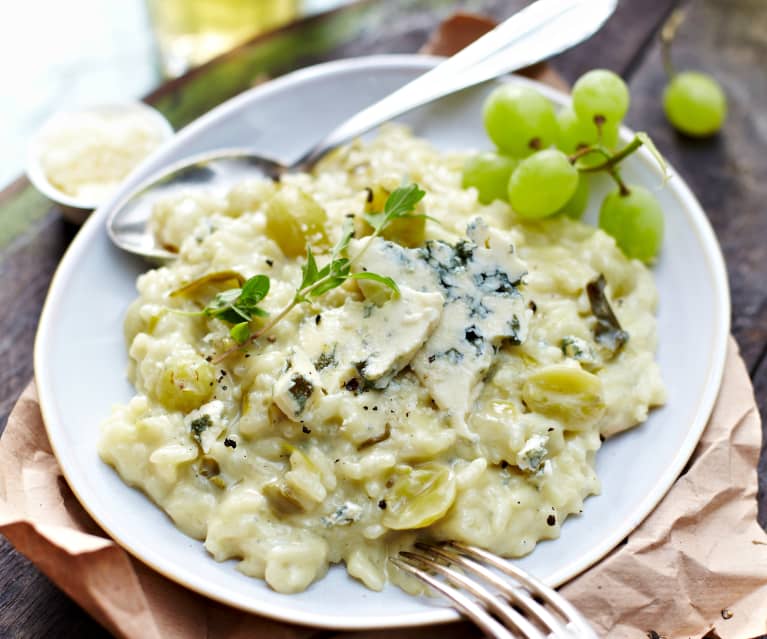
{"points": [[470, 405]]}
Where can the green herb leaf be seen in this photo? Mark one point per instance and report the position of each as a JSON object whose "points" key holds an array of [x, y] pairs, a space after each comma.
{"points": [[223, 301], [240, 332], [338, 267], [347, 233], [240, 304], [403, 200], [400, 204], [254, 290], [309, 270], [231, 315], [381, 279], [330, 276], [376, 220], [327, 285]]}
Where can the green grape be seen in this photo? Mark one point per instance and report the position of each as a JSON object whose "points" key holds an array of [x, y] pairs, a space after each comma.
{"points": [[282, 499], [601, 95], [489, 173], [635, 220], [575, 207], [519, 120], [575, 134], [695, 104], [293, 219], [185, 382], [542, 184], [570, 394], [419, 496]]}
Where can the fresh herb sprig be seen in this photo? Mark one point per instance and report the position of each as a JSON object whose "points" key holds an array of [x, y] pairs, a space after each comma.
{"points": [[399, 205], [240, 306], [317, 281], [236, 306]]}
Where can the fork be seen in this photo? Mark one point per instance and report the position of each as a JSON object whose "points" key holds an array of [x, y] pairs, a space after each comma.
{"points": [[510, 603]]}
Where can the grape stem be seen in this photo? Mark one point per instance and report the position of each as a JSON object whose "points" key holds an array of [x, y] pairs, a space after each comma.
{"points": [[586, 150], [622, 188], [667, 35], [612, 160]]}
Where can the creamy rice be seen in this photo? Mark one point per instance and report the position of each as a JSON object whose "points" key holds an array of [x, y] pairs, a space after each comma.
{"points": [[494, 447]]}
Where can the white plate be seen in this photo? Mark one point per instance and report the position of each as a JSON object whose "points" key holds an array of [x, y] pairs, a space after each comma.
{"points": [[80, 356]]}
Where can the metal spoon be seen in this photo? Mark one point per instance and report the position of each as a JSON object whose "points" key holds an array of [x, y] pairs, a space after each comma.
{"points": [[539, 31]]}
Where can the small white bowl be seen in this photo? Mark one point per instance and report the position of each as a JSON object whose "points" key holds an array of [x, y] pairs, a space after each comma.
{"points": [[76, 209]]}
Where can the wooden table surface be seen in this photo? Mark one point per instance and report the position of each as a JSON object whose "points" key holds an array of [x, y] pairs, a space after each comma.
{"points": [[728, 173]]}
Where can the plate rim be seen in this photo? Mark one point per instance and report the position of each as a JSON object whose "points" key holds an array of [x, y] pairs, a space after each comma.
{"points": [[701, 225]]}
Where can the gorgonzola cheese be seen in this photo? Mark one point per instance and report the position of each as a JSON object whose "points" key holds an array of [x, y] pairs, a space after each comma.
{"points": [[367, 342], [480, 279]]}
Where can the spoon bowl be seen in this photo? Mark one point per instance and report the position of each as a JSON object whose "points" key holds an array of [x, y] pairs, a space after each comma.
{"points": [[128, 223]]}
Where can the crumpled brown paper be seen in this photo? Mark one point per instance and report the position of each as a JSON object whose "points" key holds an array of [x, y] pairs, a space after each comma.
{"points": [[698, 563]]}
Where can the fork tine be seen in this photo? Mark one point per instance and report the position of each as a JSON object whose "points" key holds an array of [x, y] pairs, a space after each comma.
{"points": [[473, 611], [517, 595], [535, 586], [486, 597]]}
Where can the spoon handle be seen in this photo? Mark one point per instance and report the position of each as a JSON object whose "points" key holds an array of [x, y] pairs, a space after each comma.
{"points": [[539, 31]]}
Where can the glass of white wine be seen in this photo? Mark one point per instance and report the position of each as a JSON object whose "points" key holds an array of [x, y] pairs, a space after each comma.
{"points": [[191, 32]]}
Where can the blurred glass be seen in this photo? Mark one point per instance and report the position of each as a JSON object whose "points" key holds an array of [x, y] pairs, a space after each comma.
{"points": [[191, 32]]}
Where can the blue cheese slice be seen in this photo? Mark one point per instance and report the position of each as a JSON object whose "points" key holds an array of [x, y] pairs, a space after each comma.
{"points": [[479, 279], [533, 453], [369, 343], [298, 387], [206, 423], [344, 515]]}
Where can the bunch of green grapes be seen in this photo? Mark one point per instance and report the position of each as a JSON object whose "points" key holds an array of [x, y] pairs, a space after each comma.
{"points": [[543, 159]]}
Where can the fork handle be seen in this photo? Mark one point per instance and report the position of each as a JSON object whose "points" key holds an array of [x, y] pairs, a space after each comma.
{"points": [[539, 31]]}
